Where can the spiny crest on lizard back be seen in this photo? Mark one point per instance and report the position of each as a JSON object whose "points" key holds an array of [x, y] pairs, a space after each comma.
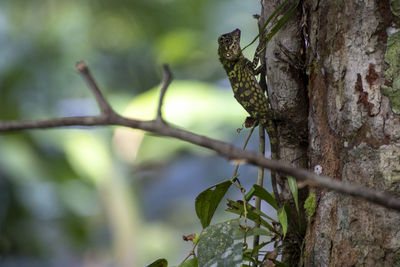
{"points": [[240, 72]]}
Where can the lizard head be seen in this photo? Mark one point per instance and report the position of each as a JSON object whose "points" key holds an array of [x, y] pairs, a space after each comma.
{"points": [[229, 45]]}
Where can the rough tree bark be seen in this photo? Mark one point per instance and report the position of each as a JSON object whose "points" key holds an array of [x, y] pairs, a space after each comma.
{"points": [[287, 90], [350, 93]]}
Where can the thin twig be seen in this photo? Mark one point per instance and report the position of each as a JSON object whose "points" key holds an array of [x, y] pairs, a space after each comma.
{"points": [[105, 107], [192, 253], [236, 182], [260, 178], [274, 185], [235, 171], [222, 148], [167, 79]]}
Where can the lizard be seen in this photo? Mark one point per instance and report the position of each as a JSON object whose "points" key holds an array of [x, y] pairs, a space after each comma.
{"points": [[246, 89]]}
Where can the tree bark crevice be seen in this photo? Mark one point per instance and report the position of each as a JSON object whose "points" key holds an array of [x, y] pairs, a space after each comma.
{"points": [[353, 133]]}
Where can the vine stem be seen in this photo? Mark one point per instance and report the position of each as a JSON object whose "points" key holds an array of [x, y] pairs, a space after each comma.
{"points": [[244, 147], [260, 178], [191, 252], [236, 182]]}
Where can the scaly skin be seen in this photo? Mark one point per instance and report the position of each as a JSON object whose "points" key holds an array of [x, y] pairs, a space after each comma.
{"points": [[246, 90]]}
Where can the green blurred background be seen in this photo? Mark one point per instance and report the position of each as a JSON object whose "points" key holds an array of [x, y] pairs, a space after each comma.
{"points": [[112, 196]]}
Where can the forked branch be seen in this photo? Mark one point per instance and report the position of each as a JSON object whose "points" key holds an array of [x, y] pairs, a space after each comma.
{"points": [[167, 79], [105, 107], [109, 117]]}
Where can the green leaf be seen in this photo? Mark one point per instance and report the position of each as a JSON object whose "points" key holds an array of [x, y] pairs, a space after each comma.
{"points": [[258, 231], [158, 263], [208, 201], [295, 192], [189, 263], [288, 211], [309, 206], [272, 16], [260, 246], [260, 213], [260, 192], [221, 245], [280, 264], [283, 20], [252, 214], [196, 239], [247, 256], [283, 220]]}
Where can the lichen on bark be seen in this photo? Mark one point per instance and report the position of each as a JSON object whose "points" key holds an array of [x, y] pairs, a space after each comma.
{"points": [[392, 73], [395, 7], [309, 206], [353, 132], [389, 156]]}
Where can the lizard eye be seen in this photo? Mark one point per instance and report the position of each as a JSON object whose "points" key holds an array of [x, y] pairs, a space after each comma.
{"points": [[227, 41]]}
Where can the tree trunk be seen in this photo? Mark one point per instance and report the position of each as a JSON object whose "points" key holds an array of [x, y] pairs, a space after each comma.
{"points": [[351, 57], [287, 91]]}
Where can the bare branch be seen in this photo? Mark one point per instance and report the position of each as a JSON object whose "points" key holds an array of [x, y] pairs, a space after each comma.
{"points": [[6, 126], [105, 107], [167, 79], [222, 148]]}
